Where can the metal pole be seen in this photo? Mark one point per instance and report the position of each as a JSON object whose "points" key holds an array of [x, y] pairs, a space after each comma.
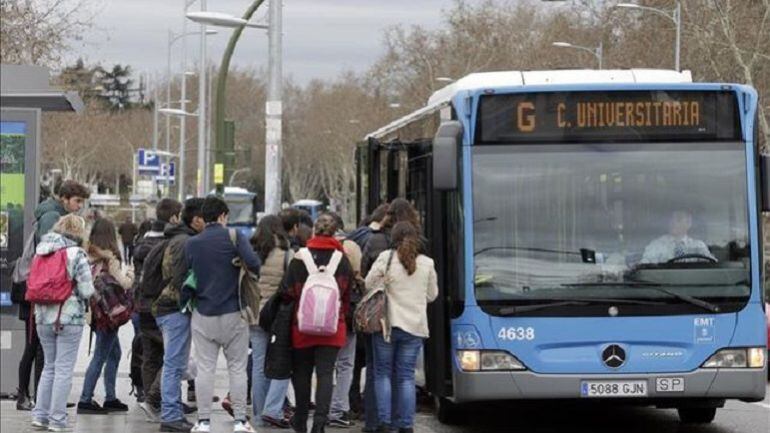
{"points": [[168, 89], [600, 53], [155, 117], [183, 106], [678, 16], [273, 111], [209, 86], [202, 169]]}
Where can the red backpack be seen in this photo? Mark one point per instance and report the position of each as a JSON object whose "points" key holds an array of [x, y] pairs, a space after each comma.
{"points": [[49, 282]]}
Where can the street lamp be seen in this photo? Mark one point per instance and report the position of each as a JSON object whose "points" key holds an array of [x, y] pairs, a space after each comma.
{"points": [[597, 52], [172, 39], [215, 19], [675, 16], [445, 79], [176, 112]]}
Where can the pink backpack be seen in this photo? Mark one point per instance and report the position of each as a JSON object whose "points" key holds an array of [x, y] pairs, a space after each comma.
{"points": [[319, 306], [49, 282]]}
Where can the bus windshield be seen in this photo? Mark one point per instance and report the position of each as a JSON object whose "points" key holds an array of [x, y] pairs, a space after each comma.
{"points": [[621, 221]]}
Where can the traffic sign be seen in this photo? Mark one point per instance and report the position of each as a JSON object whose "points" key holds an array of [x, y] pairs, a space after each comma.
{"points": [[167, 172], [149, 161]]}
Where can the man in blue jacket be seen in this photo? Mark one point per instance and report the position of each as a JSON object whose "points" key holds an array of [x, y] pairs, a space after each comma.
{"points": [[217, 321]]}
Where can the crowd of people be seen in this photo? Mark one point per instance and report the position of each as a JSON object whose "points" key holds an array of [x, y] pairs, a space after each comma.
{"points": [[279, 306]]}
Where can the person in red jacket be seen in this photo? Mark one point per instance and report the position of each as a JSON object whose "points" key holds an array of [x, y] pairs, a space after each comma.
{"points": [[313, 351]]}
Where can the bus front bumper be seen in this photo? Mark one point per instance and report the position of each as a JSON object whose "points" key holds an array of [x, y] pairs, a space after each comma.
{"points": [[743, 384]]}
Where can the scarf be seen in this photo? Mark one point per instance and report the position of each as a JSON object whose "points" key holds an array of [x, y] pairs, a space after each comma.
{"points": [[324, 243]]}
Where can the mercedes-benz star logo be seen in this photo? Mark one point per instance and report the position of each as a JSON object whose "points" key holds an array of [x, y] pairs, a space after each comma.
{"points": [[614, 356]]}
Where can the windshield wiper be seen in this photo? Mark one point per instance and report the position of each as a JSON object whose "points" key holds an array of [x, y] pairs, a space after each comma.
{"points": [[559, 302], [655, 286]]}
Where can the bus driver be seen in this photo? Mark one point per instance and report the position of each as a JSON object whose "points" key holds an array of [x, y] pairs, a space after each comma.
{"points": [[676, 243]]}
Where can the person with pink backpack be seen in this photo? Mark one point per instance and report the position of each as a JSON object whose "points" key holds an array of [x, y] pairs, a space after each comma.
{"points": [[59, 286], [318, 283]]}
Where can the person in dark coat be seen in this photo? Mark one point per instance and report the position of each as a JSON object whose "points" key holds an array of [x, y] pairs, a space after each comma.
{"points": [[127, 232], [167, 212], [311, 351]]}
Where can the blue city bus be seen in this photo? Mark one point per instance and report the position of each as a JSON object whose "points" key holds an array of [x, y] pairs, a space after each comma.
{"points": [[596, 236], [312, 207]]}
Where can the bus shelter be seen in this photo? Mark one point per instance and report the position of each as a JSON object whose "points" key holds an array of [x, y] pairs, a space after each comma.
{"points": [[25, 93]]}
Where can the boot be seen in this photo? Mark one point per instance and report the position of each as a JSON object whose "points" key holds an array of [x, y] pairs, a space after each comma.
{"points": [[23, 401]]}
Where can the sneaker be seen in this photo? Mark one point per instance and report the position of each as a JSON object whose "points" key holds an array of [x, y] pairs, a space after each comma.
{"points": [[39, 425], [115, 406], [201, 427], [187, 409], [181, 425], [151, 413], [60, 428], [242, 427], [341, 422], [91, 408], [23, 402], [275, 422]]}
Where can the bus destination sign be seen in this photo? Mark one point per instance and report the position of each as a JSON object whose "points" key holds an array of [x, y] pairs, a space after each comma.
{"points": [[608, 116]]}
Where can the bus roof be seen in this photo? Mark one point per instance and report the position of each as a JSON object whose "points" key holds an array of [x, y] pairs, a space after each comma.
{"points": [[484, 80]]}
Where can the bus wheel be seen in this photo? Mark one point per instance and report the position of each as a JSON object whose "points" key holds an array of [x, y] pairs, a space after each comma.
{"points": [[448, 412], [697, 415]]}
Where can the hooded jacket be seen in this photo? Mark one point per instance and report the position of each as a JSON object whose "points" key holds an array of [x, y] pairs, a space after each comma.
{"points": [[174, 268], [47, 214], [78, 268]]}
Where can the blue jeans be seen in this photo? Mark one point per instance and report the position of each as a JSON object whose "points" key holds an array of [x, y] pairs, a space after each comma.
{"points": [[396, 359], [175, 328], [60, 351], [267, 395], [106, 354]]}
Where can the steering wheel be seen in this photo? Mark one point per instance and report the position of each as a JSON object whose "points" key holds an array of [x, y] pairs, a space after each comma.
{"points": [[691, 256]]}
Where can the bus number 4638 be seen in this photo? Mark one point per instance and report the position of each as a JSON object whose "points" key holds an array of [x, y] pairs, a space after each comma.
{"points": [[519, 333]]}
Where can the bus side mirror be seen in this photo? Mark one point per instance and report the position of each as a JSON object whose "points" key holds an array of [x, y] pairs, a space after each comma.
{"points": [[764, 179], [446, 144]]}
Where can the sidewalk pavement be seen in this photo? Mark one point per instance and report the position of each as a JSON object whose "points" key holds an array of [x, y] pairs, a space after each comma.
{"points": [[133, 421]]}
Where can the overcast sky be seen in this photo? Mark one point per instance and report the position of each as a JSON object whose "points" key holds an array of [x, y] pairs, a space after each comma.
{"points": [[321, 37]]}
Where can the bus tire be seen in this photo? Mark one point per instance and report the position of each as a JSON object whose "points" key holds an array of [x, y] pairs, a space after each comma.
{"points": [[697, 415], [448, 412]]}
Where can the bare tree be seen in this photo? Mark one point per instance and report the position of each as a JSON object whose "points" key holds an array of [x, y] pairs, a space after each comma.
{"points": [[38, 32]]}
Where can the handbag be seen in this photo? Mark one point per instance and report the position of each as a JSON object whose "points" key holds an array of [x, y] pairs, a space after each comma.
{"points": [[371, 314]]}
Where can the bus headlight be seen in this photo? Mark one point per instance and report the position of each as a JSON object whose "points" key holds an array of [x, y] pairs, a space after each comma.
{"points": [[488, 360], [752, 357]]}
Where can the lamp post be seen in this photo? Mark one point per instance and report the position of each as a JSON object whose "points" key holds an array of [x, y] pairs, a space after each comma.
{"points": [[172, 39], [182, 114], [205, 17], [597, 52], [675, 15]]}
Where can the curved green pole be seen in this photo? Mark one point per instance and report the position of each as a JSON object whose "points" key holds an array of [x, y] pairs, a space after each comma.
{"points": [[219, 104]]}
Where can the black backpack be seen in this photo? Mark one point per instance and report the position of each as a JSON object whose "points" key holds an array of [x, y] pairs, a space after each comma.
{"points": [[152, 273]]}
